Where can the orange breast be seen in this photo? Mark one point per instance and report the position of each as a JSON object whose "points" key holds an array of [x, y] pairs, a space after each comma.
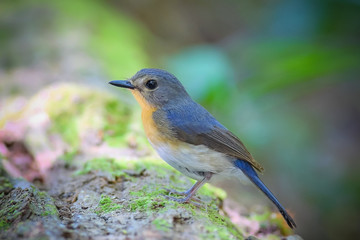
{"points": [[150, 126]]}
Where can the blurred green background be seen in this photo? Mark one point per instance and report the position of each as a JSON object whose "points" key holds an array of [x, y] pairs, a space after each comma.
{"points": [[282, 75]]}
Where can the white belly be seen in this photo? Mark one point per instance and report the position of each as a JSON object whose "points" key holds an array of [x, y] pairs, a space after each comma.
{"points": [[194, 159]]}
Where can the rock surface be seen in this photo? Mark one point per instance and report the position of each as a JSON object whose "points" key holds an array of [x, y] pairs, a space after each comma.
{"points": [[101, 180]]}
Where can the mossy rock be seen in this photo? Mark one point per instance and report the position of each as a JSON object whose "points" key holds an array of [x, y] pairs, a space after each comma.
{"points": [[78, 115], [23, 208], [142, 202], [74, 110]]}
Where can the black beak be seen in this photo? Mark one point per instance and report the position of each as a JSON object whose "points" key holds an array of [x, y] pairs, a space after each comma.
{"points": [[122, 83]]}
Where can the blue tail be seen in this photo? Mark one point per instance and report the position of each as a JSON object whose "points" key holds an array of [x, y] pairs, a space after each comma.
{"points": [[252, 175]]}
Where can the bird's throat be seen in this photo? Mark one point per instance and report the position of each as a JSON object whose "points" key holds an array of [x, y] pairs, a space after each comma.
{"points": [[141, 100], [147, 111]]}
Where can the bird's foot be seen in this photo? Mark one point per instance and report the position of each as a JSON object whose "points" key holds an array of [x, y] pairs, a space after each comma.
{"points": [[187, 199], [185, 193], [179, 200], [172, 191], [194, 201]]}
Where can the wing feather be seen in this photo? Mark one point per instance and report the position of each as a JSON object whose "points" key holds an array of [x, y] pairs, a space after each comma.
{"points": [[193, 124], [222, 140]]}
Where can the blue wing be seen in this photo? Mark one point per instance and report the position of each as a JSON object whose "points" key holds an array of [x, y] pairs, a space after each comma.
{"points": [[191, 123]]}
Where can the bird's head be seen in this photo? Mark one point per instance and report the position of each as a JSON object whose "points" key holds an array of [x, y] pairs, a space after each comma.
{"points": [[154, 88]]}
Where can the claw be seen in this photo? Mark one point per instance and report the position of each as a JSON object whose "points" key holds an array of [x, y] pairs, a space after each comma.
{"points": [[187, 195], [195, 201], [172, 191]]}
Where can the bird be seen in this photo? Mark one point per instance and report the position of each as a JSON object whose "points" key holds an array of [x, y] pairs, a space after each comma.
{"points": [[189, 138]]}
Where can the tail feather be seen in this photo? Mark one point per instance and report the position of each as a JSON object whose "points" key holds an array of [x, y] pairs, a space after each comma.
{"points": [[252, 175]]}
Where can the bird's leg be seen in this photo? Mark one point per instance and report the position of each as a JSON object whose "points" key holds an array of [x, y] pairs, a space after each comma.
{"points": [[191, 192]]}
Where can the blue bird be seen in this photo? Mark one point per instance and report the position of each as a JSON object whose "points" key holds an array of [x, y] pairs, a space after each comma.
{"points": [[188, 137]]}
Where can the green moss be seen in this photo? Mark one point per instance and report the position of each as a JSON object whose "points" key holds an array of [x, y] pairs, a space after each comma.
{"points": [[28, 202], [212, 191], [218, 226], [5, 184], [106, 205], [43, 204], [4, 224], [109, 165], [147, 200], [223, 229], [8, 213], [214, 216], [216, 232], [75, 110], [162, 224], [156, 165], [116, 167], [117, 122], [66, 126], [150, 199], [42, 194], [49, 209]]}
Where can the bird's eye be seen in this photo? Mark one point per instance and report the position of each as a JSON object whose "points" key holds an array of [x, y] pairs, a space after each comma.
{"points": [[151, 84]]}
